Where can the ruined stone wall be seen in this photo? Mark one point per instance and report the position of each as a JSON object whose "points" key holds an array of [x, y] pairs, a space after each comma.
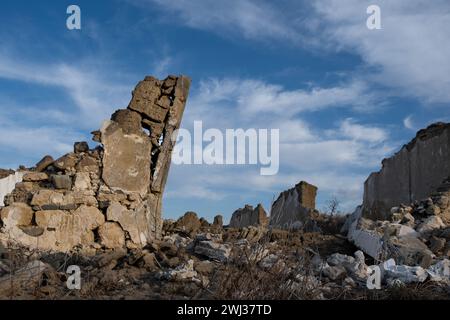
{"points": [[109, 196], [293, 206], [412, 174], [248, 216]]}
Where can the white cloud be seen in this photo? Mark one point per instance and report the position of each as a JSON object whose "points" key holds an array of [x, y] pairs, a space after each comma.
{"points": [[354, 131], [248, 18], [409, 54], [322, 156], [93, 96], [411, 50]]}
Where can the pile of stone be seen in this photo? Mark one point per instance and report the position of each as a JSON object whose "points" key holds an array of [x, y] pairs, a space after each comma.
{"points": [[106, 197]]}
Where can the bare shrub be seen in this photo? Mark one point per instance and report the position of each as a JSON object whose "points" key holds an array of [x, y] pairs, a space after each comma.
{"points": [[255, 274]]}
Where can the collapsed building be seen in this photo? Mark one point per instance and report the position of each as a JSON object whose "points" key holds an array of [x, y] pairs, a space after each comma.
{"points": [[106, 197]]}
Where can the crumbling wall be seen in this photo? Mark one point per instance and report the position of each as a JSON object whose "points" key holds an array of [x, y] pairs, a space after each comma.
{"points": [[247, 216], [293, 206], [109, 196], [412, 174]]}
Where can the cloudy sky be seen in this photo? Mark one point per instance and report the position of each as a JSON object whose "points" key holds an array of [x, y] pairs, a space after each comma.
{"points": [[343, 96]]}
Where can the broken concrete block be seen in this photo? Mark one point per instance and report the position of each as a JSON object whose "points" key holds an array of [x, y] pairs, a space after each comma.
{"points": [[111, 235]]}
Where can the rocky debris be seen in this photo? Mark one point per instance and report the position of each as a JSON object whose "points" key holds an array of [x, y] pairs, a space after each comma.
{"points": [[181, 273], [213, 250], [44, 163], [404, 274], [293, 206], [248, 216], [189, 223], [109, 196], [413, 173]]}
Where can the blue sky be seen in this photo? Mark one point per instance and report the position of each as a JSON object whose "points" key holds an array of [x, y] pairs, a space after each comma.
{"points": [[343, 96]]}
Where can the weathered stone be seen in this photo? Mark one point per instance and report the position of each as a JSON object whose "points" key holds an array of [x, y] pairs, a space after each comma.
{"points": [[44, 163], [88, 163], [35, 177], [430, 224], [188, 223], [82, 181], [66, 162], [409, 251], [80, 147], [111, 235], [293, 205], [52, 200], [248, 216], [17, 214], [127, 159], [130, 221], [145, 95], [62, 182], [204, 267], [170, 81], [129, 121]]}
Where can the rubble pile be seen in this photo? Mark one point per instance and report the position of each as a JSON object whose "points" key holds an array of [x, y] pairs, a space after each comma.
{"points": [[100, 210]]}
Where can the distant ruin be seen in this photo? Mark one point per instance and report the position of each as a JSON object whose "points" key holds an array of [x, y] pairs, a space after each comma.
{"points": [[248, 216], [293, 206], [106, 197], [413, 173]]}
